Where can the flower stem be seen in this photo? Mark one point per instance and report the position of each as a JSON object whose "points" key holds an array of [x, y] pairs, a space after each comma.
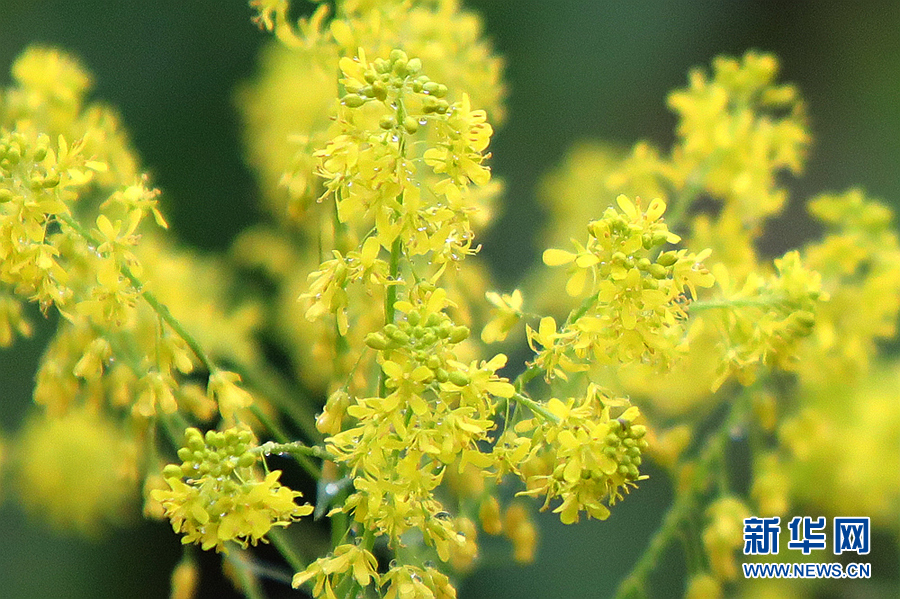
{"points": [[535, 407], [284, 547], [758, 302], [634, 584], [295, 448], [161, 309]]}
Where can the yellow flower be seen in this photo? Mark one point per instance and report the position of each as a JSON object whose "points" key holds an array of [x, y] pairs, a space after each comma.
{"points": [[505, 315], [522, 532], [723, 535], [51, 76], [740, 130], [223, 499], [223, 388], [346, 560], [636, 294], [75, 471]]}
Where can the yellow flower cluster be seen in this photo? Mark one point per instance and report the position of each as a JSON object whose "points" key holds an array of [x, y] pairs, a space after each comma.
{"points": [[766, 319], [723, 535], [347, 559], [294, 113], [859, 259], [50, 156], [433, 413], [223, 498], [288, 109], [368, 170], [736, 129], [635, 303], [581, 454], [352, 561], [371, 131], [77, 471]]}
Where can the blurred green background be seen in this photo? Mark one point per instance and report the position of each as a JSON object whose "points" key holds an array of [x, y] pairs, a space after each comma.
{"points": [[576, 70]]}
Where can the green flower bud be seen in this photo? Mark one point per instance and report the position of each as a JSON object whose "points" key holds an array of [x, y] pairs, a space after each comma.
{"points": [[14, 154], [353, 101], [410, 124], [214, 439], [172, 471], [659, 239], [379, 90], [398, 336], [194, 439], [458, 378], [414, 66], [376, 341], [667, 259], [458, 334], [658, 271], [400, 67]]}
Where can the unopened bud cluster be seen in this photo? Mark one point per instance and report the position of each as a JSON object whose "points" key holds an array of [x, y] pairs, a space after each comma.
{"points": [[387, 81]]}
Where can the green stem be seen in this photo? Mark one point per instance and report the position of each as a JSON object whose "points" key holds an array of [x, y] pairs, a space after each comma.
{"points": [[523, 379], [536, 407], [271, 384], [758, 302], [161, 309], [633, 584], [295, 448], [286, 549], [248, 582], [282, 437]]}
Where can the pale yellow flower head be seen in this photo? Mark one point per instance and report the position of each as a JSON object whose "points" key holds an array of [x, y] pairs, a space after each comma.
{"points": [[76, 471]]}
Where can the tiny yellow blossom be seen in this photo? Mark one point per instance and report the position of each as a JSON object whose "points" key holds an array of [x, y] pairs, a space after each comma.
{"points": [[223, 388]]}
